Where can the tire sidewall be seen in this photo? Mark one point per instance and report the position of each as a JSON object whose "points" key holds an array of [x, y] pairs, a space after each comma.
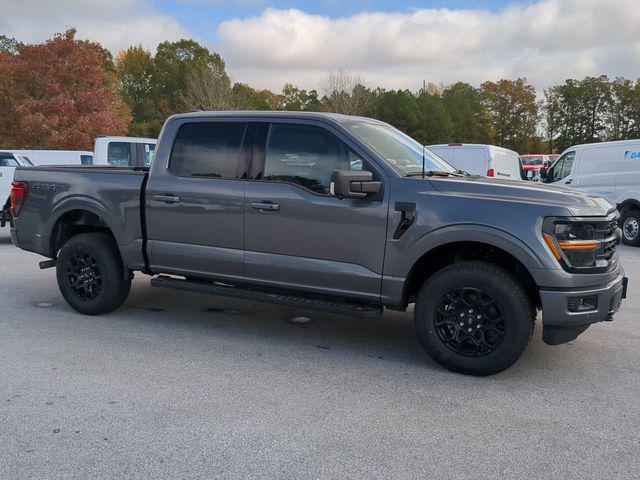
{"points": [[102, 249], [511, 302]]}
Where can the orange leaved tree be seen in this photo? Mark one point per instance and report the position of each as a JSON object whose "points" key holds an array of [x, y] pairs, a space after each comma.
{"points": [[60, 94]]}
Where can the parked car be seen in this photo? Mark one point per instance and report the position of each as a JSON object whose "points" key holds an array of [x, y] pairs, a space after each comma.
{"points": [[118, 151], [57, 157], [486, 160], [609, 169], [335, 213], [8, 163]]}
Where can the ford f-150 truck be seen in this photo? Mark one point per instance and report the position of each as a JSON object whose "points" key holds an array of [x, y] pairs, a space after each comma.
{"points": [[335, 213]]}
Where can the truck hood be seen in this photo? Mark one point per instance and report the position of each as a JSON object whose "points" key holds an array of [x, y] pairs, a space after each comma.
{"points": [[577, 202]]}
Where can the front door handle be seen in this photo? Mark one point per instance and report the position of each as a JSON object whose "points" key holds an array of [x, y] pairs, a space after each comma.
{"points": [[568, 182], [166, 198], [265, 206]]}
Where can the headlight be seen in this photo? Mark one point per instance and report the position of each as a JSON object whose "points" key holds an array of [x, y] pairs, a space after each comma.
{"points": [[581, 245]]}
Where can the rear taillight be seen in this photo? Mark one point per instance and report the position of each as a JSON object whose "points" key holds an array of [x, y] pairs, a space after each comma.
{"points": [[491, 173], [18, 197]]}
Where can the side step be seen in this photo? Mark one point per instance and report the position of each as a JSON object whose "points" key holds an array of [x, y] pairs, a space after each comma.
{"points": [[309, 303]]}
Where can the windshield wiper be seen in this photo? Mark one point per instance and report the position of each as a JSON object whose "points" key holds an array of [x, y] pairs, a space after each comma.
{"points": [[434, 173]]}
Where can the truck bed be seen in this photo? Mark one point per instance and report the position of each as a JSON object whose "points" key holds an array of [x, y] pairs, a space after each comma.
{"points": [[60, 193]]}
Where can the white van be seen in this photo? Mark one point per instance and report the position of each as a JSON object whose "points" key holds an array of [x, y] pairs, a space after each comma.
{"points": [[8, 163], [57, 157], [610, 169], [477, 159]]}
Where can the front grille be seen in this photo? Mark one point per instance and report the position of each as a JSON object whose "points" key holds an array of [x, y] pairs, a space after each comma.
{"points": [[609, 234]]}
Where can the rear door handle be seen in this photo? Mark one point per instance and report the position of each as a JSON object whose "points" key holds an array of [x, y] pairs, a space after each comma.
{"points": [[166, 198], [265, 206], [568, 182]]}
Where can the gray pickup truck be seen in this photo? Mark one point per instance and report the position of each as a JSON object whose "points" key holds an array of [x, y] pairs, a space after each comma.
{"points": [[341, 214]]}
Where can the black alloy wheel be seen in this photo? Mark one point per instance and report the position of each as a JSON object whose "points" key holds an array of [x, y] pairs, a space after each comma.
{"points": [[83, 276], [468, 321]]}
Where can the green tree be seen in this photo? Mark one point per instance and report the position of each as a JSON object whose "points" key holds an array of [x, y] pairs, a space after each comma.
{"points": [[135, 72], [582, 110], [434, 123], [294, 99], [513, 112], [8, 45], [624, 112], [175, 64], [464, 105]]}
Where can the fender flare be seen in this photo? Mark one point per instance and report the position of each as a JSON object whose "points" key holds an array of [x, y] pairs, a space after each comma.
{"points": [[87, 204]]}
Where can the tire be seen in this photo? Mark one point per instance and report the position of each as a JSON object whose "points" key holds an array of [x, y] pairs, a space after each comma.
{"points": [[92, 263], [489, 302], [630, 224]]}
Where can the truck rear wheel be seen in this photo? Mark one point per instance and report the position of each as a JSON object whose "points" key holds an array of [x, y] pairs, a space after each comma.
{"points": [[474, 318], [91, 275], [630, 222]]}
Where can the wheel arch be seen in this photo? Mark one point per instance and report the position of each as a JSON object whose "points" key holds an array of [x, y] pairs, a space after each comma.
{"points": [[629, 204], [450, 252], [74, 222]]}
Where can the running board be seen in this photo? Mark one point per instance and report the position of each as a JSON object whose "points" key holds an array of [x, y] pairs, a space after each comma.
{"points": [[308, 303]]}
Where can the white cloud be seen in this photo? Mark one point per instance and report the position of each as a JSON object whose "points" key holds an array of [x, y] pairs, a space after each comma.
{"points": [[547, 42], [116, 24]]}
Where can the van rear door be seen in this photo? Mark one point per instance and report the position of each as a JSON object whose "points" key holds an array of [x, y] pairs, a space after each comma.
{"points": [[506, 163], [472, 159]]}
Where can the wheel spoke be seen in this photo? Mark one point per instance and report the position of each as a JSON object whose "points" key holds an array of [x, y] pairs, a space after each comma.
{"points": [[84, 276], [468, 321]]}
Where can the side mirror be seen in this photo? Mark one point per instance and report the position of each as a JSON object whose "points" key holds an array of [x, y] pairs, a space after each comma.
{"points": [[353, 184]]}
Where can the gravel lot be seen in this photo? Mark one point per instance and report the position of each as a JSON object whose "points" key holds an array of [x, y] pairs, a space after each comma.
{"points": [[179, 385]]}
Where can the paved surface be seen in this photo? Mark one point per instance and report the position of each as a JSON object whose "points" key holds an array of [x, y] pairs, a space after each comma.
{"points": [[178, 385]]}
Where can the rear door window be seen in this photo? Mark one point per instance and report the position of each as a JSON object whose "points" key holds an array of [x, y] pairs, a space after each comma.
{"points": [[471, 159], [207, 149], [119, 154], [8, 161]]}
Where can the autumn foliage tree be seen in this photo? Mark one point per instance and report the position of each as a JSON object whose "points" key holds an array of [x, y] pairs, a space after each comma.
{"points": [[60, 94]]}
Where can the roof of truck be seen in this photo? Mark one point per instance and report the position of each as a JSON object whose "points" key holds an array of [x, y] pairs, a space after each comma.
{"points": [[336, 117]]}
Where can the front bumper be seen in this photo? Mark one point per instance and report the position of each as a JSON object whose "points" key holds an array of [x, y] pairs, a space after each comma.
{"points": [[561, 324]]}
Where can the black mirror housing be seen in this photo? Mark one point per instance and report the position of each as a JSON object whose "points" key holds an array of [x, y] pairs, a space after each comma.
{"points": [[353, 184]]}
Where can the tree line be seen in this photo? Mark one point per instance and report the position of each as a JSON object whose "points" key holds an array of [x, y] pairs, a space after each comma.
{"points": [[64, 92]]}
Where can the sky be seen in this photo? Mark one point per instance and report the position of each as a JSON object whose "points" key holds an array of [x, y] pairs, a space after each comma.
{"points": [[393, 44]]}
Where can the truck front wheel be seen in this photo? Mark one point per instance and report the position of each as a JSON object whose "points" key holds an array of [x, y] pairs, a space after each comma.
{"points": [[474, 318], [630, 222], [90, 274]]}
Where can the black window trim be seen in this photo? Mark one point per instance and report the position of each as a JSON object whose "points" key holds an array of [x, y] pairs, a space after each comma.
{"points": [[562, 158], [259, 153], [245, 147]]}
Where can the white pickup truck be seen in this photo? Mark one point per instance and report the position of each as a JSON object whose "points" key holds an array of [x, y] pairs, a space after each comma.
{"points": [[115, 151], [119, 151], [8, 163]]}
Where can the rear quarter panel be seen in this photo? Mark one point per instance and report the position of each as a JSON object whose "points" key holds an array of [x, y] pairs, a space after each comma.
{"points": [[110, 193]]}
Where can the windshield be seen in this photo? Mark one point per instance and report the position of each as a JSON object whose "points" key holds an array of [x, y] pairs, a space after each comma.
{"points": [[399, 150], [532, 160]]}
